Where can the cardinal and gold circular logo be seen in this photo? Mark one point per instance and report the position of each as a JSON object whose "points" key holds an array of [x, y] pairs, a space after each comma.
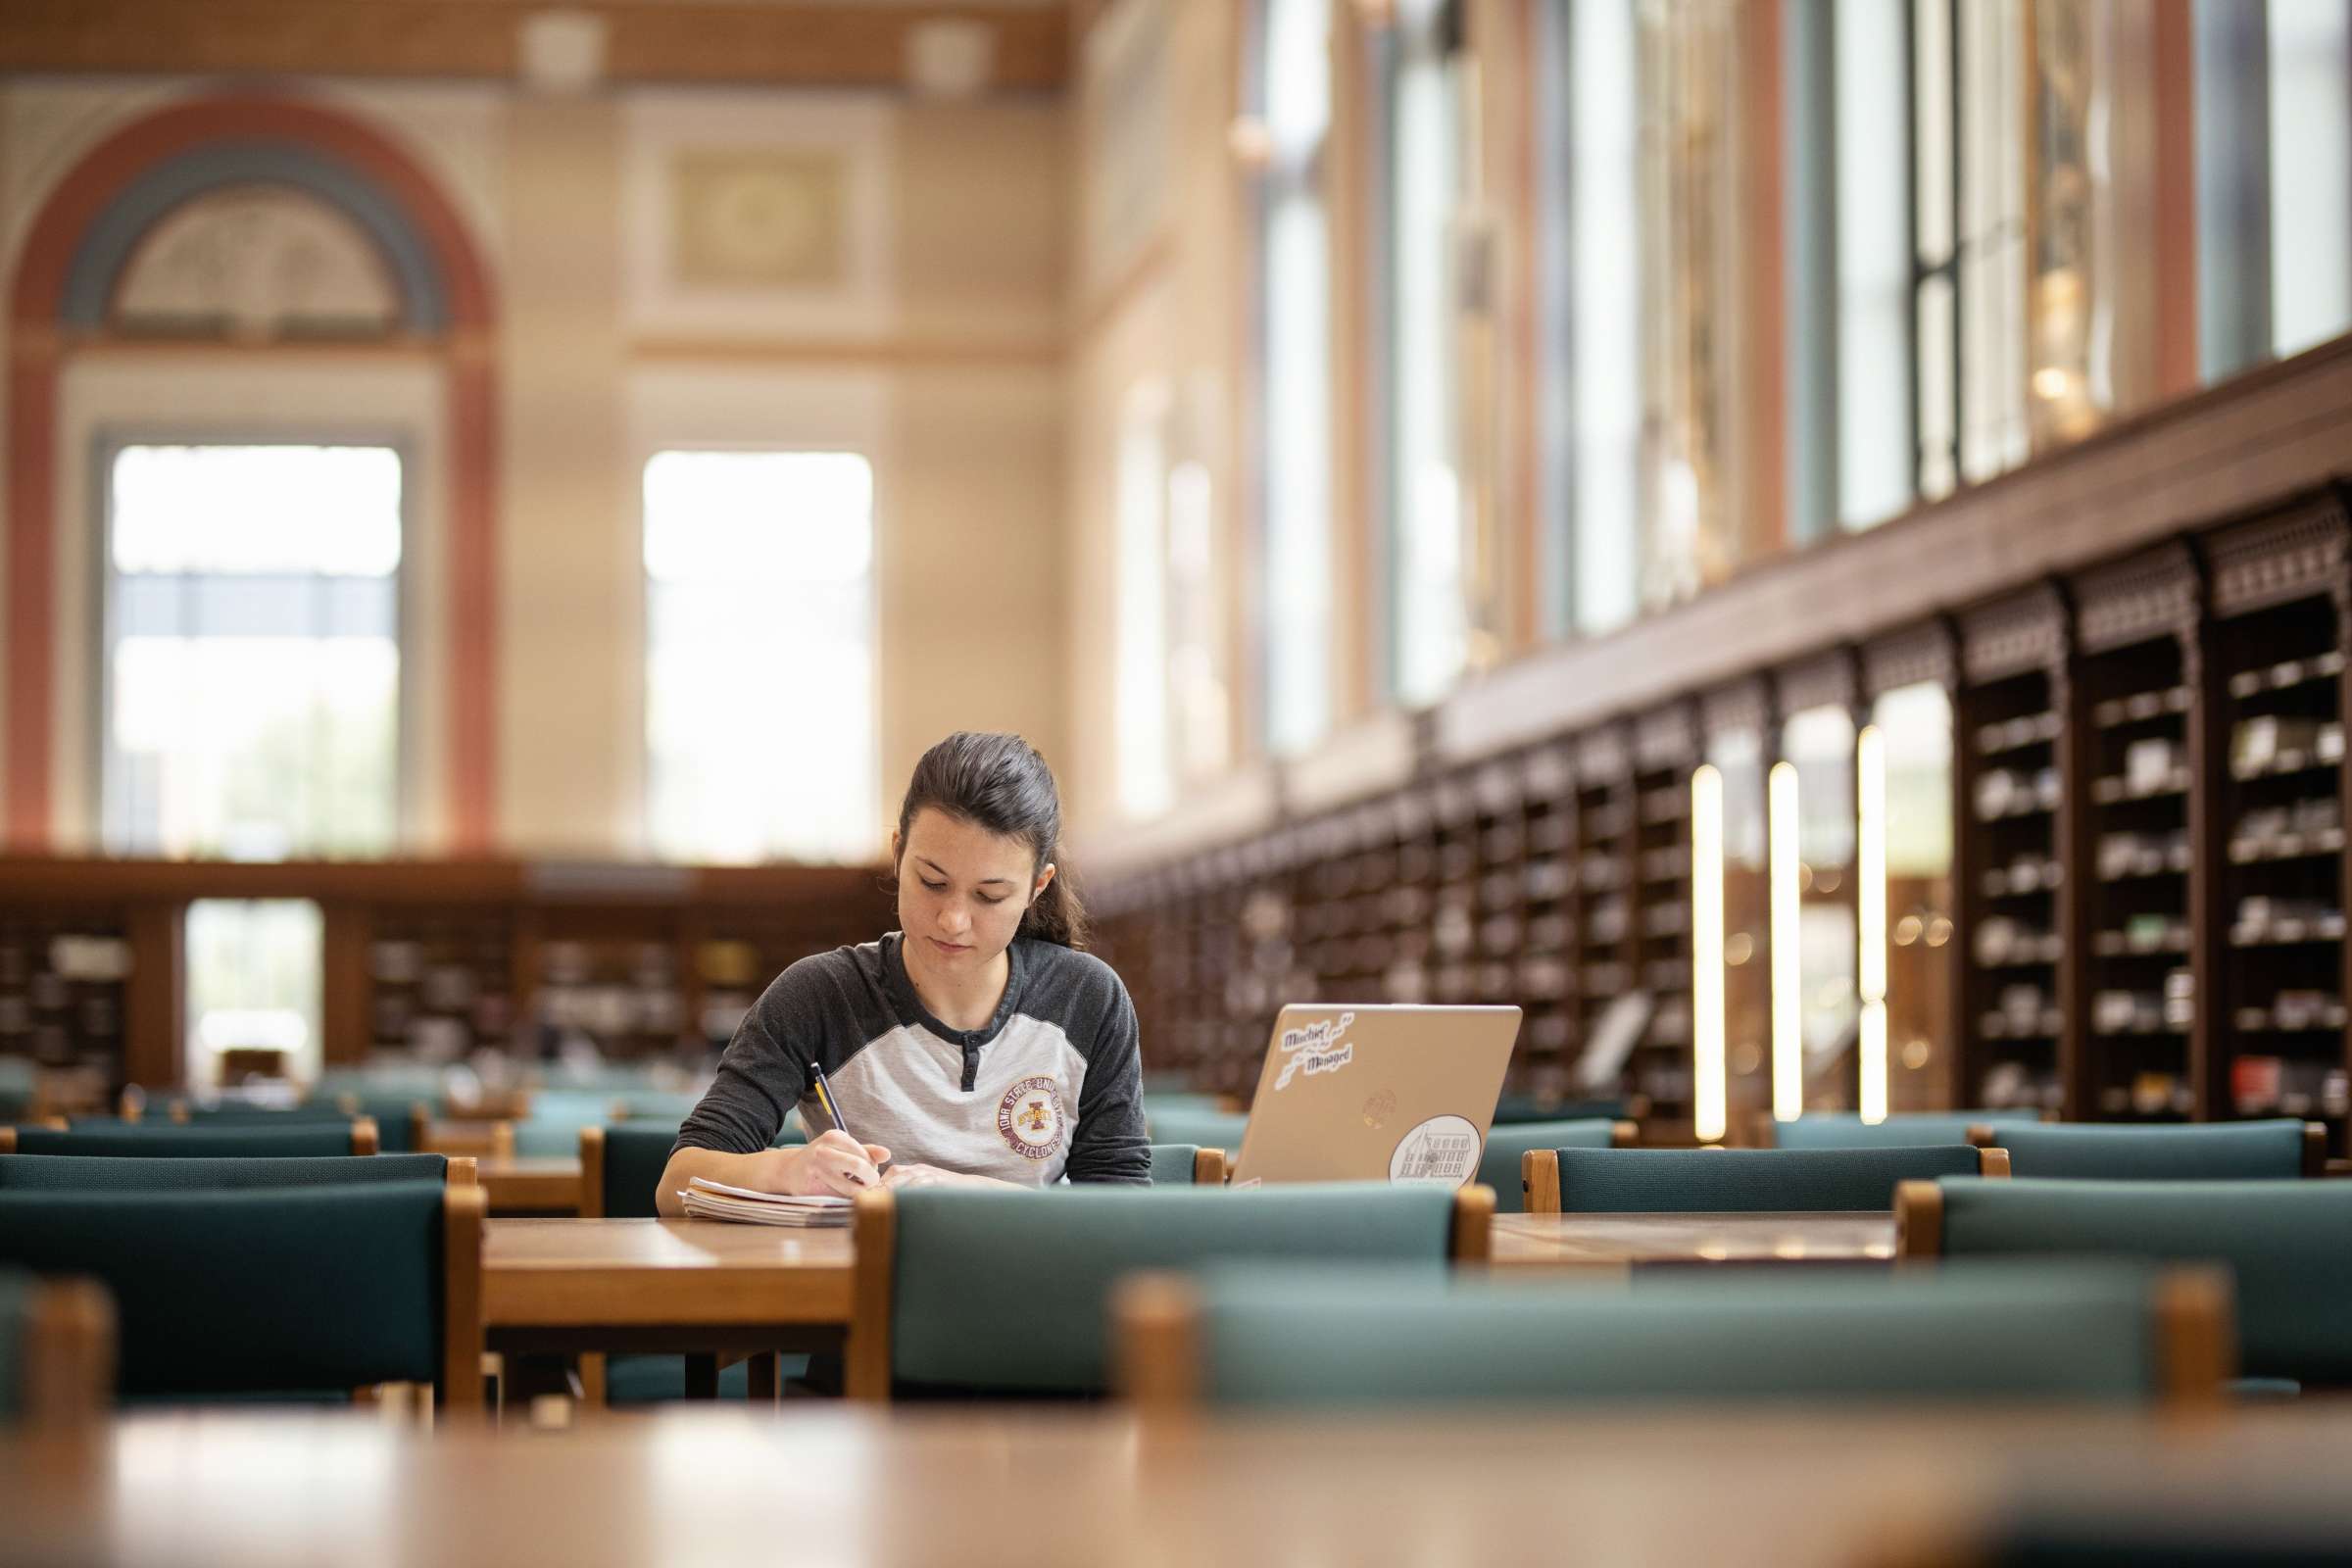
{"points": [[1030, 1118]]}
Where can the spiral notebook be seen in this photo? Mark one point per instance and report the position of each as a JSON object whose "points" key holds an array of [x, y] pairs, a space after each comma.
{"points": [[710, 1200]]}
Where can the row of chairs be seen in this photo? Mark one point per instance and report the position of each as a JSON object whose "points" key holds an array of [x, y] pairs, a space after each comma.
{"points": [[629, 1179]]}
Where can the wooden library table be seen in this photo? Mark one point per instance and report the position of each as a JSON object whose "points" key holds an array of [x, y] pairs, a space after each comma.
{"points": [[1037, 1487], [668, 1285], [1619, 1241], [531, 1184]]}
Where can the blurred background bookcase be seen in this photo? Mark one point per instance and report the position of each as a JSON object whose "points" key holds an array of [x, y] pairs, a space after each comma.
{"points": [[422, 961], [2116, 889]]}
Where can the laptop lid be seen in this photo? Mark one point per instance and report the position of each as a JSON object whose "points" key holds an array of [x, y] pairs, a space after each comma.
{"points": [[1377, 1093]]}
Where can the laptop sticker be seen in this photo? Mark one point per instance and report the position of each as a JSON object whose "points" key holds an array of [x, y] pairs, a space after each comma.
{"points": [[1315, 1049], [1441, 1150]]}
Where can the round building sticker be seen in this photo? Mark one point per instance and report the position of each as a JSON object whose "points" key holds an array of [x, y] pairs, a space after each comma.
{"points": [[1441, 1150]]}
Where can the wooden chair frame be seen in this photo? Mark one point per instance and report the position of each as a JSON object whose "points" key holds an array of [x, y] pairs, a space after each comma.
{"points": [[1539, 1178], [464, 1205], [1157, 1339], [1208, 1167], [69, 1355], [485, 1140], [365, 1140], [874, 1224], [594, 1391]]}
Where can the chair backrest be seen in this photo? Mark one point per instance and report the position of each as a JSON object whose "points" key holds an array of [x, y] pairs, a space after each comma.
{"points": [[117, 1173], [2288, 1243], [1827, 1131], [1172, 1164], [1186, 1165], [620, 1169], [57, 1348], [1189, 1124], [671, 1105], [1506, 1149], [1730, 1181], [1262, 1334], [1008, 1292], [152, 1140], [396, 1115], [1511, 1109], [2252, 1151], [292, 1289]]}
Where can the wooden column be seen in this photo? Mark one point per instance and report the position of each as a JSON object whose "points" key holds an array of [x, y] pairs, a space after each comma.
{"points": [[155, 1003]]}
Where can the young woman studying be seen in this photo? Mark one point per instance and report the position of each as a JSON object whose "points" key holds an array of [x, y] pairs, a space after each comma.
{"points": [[975, 1044]]}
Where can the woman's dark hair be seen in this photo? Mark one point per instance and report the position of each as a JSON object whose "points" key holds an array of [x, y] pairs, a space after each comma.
{"points": [[999, 783]]}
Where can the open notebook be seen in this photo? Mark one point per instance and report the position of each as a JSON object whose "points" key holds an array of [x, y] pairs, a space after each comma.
{"points": [[710, 1200]]}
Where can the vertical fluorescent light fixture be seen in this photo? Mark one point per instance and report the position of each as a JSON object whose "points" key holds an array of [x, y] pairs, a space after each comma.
{"points": [[1870, 972], [1787, 978], [1711, 1113]]}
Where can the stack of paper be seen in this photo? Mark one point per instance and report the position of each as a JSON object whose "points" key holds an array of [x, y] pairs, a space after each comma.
{"points": [[710, 1200]]}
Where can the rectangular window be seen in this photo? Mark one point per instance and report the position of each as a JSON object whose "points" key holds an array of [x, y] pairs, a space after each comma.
{"points": [[1431, 631], [2310, 48], [1874, 431], [1147, 769], [1295, 341], [251, 663], [1606, 304], [759, 713]]}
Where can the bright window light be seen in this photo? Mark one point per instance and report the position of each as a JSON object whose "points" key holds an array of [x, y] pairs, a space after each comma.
{"points": [[1708, 1080], [252, 664], [1787, 976], [760, 728], [255, 980], [1870, 896]]}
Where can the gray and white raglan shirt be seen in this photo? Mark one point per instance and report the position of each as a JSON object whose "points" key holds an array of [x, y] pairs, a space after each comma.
{"points": [[1051, 1088]]}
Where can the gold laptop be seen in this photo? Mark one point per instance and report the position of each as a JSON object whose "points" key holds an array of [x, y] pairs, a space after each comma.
{"points": [[1386, 1092]]}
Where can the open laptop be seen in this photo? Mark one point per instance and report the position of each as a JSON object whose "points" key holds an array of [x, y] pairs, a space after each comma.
{"points": [[1377, 1094]]}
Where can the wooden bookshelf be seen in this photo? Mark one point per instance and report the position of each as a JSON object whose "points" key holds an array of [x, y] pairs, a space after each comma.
{"points": [[2132, 939], [421, 960], [2276, 680]]}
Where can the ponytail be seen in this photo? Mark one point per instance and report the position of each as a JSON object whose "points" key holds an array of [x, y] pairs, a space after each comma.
{"points": [[1057, 914]]}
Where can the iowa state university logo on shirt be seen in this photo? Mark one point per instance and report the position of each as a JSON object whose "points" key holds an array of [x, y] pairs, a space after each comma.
{"points": [[1030, 1117]]}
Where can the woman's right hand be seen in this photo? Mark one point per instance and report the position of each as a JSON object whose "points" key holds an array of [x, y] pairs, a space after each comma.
{"points": [[833, 1165]]}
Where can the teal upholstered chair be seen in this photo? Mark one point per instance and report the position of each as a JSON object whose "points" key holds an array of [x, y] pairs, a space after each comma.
{"points": [[2212, 1152], [1273, 1336], [1186, 1165], [232, 1115], [1201, 1127], [57, 1348], [1729, 1181], [553, 1127], [1512, 1109], [20, 1087], [394, 1113], [620, 1169], [1007, 1293], [1828, 1131], [117, 1173], [2288, 1243], [654, 1105], [167, 1140], [1500, 1166], [291, 1292]]}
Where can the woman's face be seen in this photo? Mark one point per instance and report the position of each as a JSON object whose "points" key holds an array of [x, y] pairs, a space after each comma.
{"points": [[962, 890]]}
